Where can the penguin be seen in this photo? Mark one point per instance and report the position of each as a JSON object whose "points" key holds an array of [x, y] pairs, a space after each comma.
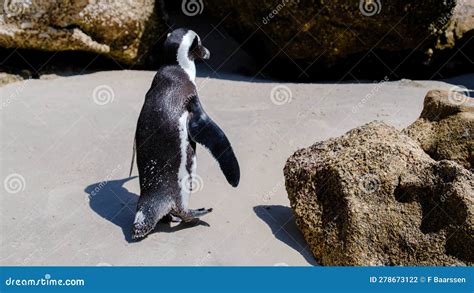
{"points": [[171, 122]]}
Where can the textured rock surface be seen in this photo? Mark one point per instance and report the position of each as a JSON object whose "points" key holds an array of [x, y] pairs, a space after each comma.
{"points": [[459, 24], [6, 78], [374, 197], [445, 129], [114, 28], [331, 30]]}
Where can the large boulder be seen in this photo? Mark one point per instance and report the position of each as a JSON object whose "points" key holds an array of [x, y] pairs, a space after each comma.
{"points": [[459, 24], [374, 197], [123, 30], [328, 31], [445, 129]]}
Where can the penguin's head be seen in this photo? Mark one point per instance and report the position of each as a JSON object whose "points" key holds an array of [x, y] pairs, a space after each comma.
{"points": [[184, 45]]}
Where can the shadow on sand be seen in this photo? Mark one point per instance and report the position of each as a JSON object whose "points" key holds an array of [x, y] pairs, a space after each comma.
{"points": [[281, 221], [113, 202]]}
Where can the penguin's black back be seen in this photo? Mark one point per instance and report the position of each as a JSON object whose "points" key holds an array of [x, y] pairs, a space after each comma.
{"points": [[157, 137]]}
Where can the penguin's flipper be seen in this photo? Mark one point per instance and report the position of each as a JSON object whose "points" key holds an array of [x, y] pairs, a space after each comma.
{"points": [[206, 132]]}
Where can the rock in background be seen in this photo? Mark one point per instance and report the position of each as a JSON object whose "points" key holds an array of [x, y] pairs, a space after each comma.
{"points": [[6, 78], [445, 129], [459, 24], [335, 29], [374, 197], [123, 30], [301, 39]]}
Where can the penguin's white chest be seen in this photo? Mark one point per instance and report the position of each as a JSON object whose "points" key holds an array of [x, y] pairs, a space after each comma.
{"points": [[184, 178]]}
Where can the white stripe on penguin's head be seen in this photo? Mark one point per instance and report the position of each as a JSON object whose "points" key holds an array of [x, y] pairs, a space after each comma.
{"points": [[183, 55]]}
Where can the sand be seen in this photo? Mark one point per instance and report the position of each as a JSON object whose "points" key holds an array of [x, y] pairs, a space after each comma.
{"points": [[66, 198]]}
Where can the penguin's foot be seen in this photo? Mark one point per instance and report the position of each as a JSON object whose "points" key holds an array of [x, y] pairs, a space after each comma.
{"points": [[189, 215], [140, 230], [170, 218], [142, 226], [175, 219], [151, 208]]}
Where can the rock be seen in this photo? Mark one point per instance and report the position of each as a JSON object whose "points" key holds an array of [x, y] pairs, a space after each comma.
{"points": [[460, 23], [6, 78], [445, 129], [123, 30], [374, 197], [328, 31]]}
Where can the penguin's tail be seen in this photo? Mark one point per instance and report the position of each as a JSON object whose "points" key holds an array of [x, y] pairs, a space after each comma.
{"points": [[133, 156]]}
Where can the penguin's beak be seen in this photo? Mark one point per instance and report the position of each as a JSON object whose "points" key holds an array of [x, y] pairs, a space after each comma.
{"points": [[206, 52]]}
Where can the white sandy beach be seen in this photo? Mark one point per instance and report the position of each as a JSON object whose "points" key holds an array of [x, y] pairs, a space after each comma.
{"points": [[60, 144]]}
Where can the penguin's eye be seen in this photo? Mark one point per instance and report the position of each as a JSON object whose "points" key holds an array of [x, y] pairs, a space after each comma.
{"points": [[194, 45], [193, 53]]}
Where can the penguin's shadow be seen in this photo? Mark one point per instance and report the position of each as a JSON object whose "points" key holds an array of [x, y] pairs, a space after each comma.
{"points": [[281, 221], [113, 202]]}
